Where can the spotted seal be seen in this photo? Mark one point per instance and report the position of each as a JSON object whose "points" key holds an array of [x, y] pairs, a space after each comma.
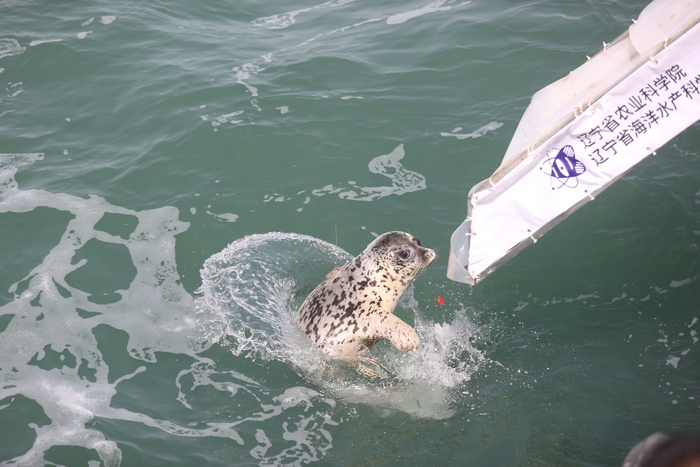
{"points": [[354, 307]]}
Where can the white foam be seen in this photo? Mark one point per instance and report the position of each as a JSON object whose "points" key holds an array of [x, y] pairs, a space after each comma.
{"points": [[680, 283], [245, 72], [10, 47], [402, 180], [14, 89], [107, 19], [232, 114], [389, 165], [279, 21], [156, 313], [311, 443], [45, 41], [83, 34], [429, 8], [275, 197], [476, 134], [673, 361], [617, 299], [227, 118], [283, 110], [228, 217], [64, 396], [10, 162], [284, 20]]}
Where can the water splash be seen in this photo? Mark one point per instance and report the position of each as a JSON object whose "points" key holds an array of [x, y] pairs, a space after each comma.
{"points": [[256, 285], [253, 285]]}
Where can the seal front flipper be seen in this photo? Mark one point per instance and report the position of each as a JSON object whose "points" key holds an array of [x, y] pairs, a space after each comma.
{"points": [[400, 334]]}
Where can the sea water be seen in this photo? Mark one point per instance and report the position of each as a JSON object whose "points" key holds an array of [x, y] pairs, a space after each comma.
{"points": [[176, 177]]}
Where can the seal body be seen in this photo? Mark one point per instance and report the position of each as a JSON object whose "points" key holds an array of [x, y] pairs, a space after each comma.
{"points": [[354, 307]]}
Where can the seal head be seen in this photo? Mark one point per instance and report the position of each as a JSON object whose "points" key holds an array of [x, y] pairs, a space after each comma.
{"points": [[354, 307]]}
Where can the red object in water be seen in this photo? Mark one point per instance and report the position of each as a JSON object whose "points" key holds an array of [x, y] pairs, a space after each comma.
{"points": [[440, 300]]}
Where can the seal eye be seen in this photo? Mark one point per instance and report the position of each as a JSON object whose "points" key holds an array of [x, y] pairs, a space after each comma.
{"points": [[405, 253]]}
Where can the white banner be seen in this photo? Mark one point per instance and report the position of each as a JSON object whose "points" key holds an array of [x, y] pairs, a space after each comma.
{"points": [[636, 116]]}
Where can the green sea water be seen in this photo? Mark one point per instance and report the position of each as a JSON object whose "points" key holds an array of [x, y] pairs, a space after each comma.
{"points": [[175, 177]]}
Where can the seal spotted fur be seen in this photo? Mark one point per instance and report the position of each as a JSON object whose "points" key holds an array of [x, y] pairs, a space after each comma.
{"points": [[354, 307]]}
